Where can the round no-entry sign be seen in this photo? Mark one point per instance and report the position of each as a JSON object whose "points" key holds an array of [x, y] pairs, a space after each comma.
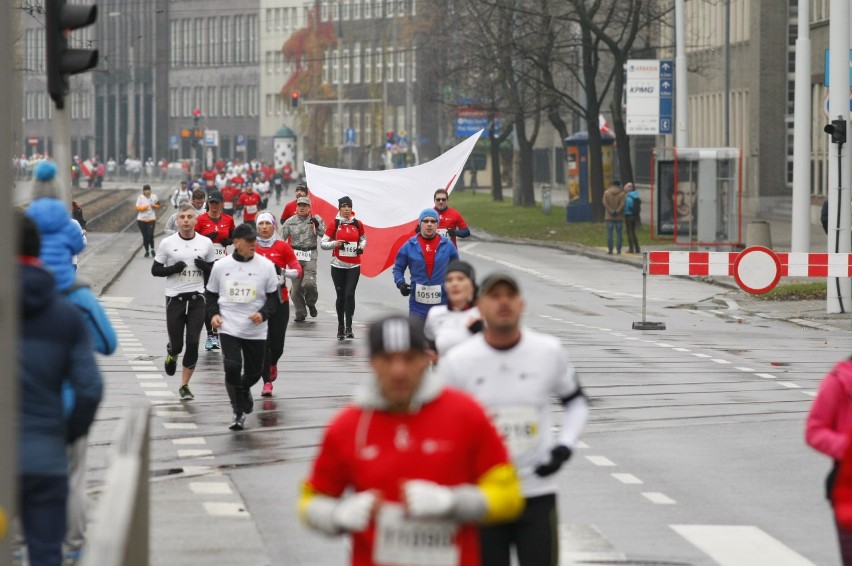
{"points": [[757, 270]]}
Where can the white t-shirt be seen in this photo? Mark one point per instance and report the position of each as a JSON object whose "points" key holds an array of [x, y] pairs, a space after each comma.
{"points": [[516, 387], [148, 214], [242, 287], [448, 328], [174, 249], [262, 188]]}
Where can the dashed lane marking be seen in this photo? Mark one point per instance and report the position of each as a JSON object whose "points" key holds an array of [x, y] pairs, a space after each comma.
{"points": [[210, 488], [740, 545], [744, 369], [600, 460], [700, 355], [628, 479], [180, 426], [193, 440], [154, 384], [810, 393], [658, 498], [580, 444], [158, 393], [223, 509], [720, 361], [682, 350], [149, 376], [766, 375], [789, 385], [196, 453]]}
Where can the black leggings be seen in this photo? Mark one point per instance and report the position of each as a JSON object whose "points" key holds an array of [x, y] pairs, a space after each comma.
{"points": [[345, 281], [533, 534], [147, 229], [185, 312], [243, 361], [277, 331]]}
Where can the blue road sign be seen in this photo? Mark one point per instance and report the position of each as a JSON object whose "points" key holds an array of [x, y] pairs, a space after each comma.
{"points": [[349, 136], [666, 94], [174, 142], [827, 69]]}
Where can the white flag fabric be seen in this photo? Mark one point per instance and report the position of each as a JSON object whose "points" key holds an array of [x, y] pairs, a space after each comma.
{"points": [[388, 202]]}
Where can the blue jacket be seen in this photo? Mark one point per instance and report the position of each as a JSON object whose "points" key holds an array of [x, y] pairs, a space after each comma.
{"points": [[410, 256], [100, 328], [55, 348], [61, 238]]}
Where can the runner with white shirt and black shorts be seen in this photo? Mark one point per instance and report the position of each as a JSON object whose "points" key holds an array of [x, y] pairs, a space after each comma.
{"points": [[515, 372], [242, 293], [184, 258]]}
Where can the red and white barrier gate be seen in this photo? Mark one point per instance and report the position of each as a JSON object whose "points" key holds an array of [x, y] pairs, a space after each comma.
{"points": [[756, 270]]}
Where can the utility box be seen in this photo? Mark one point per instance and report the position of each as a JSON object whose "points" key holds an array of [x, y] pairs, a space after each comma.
{"points": [[696, 195]]}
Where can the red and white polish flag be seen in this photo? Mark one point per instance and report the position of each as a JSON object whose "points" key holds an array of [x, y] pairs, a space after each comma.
{"points": [[388, 202]]}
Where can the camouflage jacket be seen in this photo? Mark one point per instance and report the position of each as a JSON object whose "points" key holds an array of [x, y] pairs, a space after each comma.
{"points": [[303, 232]]}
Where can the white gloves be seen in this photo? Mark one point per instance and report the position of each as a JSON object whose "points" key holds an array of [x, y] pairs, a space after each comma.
{"points": [[427, 499], [353, 513], [289, 273]]}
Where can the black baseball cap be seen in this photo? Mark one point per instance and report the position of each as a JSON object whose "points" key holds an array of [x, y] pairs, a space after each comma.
{"points": [[215, 196], [245, 232], [396, 333]]}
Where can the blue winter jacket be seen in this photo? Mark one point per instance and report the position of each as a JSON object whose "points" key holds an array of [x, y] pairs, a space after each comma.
{"points": [[61, 238], [55, 348], [410, 256], [104, 339]]}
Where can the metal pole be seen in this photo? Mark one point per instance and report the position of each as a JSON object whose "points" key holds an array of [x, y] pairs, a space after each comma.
{"points": [[131, 104], [681, 89], [9, 123], [726, 104], [838, 165], [62, 153], [801, 232], [644, 283]]}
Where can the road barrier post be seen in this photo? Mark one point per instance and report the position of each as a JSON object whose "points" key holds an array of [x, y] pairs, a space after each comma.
{"points": [[645, 324]]}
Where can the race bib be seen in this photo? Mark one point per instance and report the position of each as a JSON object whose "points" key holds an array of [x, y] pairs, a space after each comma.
{"points": [[228, 205], [443, 232], [190, 275], [427, 294], [219, 251], [251, 209], [413, 542], [277, 181], [518, 425], [240, 291], [303, 255], [348, 249]]}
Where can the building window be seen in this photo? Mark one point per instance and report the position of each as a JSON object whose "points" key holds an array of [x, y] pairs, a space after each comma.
{"points": [[286, 22], [268, 19], [253, 43], [225, 101], [239, 40], [212, 107], [400, 66], [226, 40], [414, 64], [199, 41], [335, 11], [270, 101], [368, 65], [356, 9], [278, 18], [186, 101], [389, 63], [326, 66], [186, 40], [346, 67], [212, 42], [324, 12], [199, 99], [172, 52], [378, 55], [413, 7], [356, 63], [368, 9], [335, 67], [345, 8], [279, 104], [268, 62], [400, 6]]}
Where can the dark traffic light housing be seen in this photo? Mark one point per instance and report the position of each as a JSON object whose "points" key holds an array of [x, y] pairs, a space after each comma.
{"points": [[294, 98], [60, 20], [196, 116], [837, 131]]}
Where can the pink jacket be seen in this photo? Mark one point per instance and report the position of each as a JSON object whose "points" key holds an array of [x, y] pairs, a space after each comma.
{"points": [[830, 420]]}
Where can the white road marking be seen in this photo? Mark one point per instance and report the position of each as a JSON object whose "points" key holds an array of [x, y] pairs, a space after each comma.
{"points": [[600, 460], [172, 414], [628, 479], [700, 355], [133, 349], [580, 544], [181, 426], [222, 509], [740, 545], [658, 498], [580, 444], [743, 369], [141, 368], [153, 384], [149, 376], [195, 453], [681, 349], [158, 393], [810, 393], [663, 345], [210, 488], [720, 361], [765, 375], [789, 385], [470, 246], [189, 440]]}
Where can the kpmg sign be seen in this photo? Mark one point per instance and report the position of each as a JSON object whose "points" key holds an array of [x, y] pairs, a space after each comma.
{"points": [[650, 92]]}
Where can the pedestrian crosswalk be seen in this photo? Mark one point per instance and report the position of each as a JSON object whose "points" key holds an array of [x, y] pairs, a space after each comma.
{"points": [[725, 545]]}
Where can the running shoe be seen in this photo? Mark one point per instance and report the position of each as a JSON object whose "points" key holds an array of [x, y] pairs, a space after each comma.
{"points": [[340, 334], [273, 373], [313, 310], [239, 422], [171, 364], [299, 319], [248, 402], [185, 393], [267, 389], [208, 344], [216, 344], [349, 332]]}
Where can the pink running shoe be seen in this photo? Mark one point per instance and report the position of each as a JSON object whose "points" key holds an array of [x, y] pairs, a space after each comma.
{"points": [[273, 373], [267, 390]]}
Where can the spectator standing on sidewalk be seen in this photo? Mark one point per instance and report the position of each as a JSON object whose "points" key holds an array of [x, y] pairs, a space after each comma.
{"points": [[632, 210], [613, 201]]}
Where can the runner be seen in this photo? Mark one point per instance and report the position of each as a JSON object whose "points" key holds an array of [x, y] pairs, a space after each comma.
{"points": [[347, 240], [426, 256], [514, 372], [250, 203], [278, 183], [242, 294], [261, 187], [146, 218], [421, 463], [287, 174], [181, 195], [281, 254], [184, 259], [451, 324], [302, 231], [290, 207], [230, 196], [219, 227], [451, 224]]}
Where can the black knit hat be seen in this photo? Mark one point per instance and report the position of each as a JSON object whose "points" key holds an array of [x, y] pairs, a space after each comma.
{"points": [[244, 231], [344, 200], [462, 266], [396, 333]]}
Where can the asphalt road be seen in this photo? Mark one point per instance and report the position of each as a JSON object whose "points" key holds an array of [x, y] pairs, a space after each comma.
{"points": [[694, 453]]}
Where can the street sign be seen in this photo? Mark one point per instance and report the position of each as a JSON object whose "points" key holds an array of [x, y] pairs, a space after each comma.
{"points": [[650, 96], [826, 109], [470, 119], [349, 136], [827, 68], [757, 270], [32, 141], [240, 143], [211, 138], [174, 142]]}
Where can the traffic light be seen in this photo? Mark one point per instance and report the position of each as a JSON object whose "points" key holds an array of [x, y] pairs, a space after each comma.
{"points": [[60, 20], [196, 116], [837, 131], [389, 136], [294, 98]]}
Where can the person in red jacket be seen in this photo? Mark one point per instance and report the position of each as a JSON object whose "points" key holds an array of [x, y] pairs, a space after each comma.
{"points": [[230, 196], [828, 430], [219, 227], [250, 201], [347, 240], [450, 221], [290, 207], [282, 255], [409, 461]]}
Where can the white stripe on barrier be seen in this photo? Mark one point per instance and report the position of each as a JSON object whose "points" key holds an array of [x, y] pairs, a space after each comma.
{"points": [[678, 263]]}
